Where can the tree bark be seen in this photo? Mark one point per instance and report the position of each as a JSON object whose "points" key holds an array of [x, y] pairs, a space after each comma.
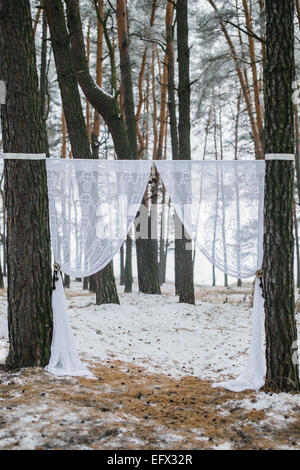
{"points": [[106, 292], [297, 244], [142, 146], [122, 266], [1, 277], [99, 78], [281, 333], [43, 79], [28, 234], [186, 282], [128, 265], [172, 116]]}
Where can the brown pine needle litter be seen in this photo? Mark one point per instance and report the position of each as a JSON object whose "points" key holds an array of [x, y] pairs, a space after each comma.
{"points": [[125, 407]]}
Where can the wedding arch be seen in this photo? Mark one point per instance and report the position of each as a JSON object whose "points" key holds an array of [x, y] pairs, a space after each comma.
{"points": [[93, 203]]}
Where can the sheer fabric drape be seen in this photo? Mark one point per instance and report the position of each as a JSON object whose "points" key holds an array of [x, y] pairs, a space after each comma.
{"points": [[220, 204], [92, 204]]}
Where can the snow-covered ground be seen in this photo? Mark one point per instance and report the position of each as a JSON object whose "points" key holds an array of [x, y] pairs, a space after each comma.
{"points": [[209, 341]]}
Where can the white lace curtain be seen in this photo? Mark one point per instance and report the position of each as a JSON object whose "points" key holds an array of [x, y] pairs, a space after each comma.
{"points": [[220, 204], [93, 203], [92, 206]]}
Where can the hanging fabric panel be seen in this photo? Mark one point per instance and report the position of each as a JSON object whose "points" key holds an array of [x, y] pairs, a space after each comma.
{"points": [[220, 204], [92, 206]]}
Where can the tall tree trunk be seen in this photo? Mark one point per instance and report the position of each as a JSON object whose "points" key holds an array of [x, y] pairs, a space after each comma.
{"points": [[256, 82], [106, 286], [87, 103], [99, 78], [297, 243], [244, 85], [236, 155], [216, 205], [223, 199], [172, 118], [74, 114], [142, 145], [297, 154], [36, 20], [43, 79], [126, 77], [186, 283], [281, 333], [146, 256], [63, 152], [122, 266], [1, 277], [128, 265], [28, 234]]}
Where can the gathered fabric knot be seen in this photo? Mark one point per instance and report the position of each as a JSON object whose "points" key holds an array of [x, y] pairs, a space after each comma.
{"points": [[55, 277], [260, 275]]}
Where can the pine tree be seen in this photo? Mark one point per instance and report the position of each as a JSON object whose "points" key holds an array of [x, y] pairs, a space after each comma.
{"points": [[184, 256], [28, 235], [281, 332]]}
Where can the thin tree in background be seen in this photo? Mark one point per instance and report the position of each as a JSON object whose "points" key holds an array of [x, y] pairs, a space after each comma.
{"points": [[252, 104], [237, 190], [63, 154], [87, 103], [99, 78], [28, 234], [173, 119], [141, 140], [280, 325]]}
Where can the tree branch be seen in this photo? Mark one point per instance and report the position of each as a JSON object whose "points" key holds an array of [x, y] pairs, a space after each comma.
{"points": [[247, 31], [105, 104]]}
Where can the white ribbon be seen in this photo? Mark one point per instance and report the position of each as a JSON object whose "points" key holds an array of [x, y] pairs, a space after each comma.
{"points": [[280, 156], [24, 156]]}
